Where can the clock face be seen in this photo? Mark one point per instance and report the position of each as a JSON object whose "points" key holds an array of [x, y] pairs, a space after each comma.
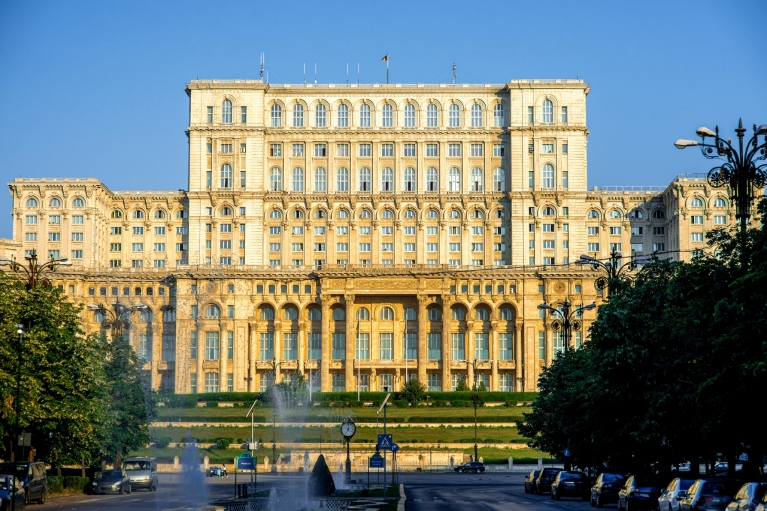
{"points": [[348, 429]]}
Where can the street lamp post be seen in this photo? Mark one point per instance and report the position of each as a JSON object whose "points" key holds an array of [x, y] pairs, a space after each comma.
{"points": [[14, 438], [475, 400], [34, 273], [275, 365], [612, 268], [740, 170], [118, 319], [564, 320]]}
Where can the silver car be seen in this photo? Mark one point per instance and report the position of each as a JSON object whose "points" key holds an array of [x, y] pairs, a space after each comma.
{"points": [[748, 497], [672, 494], [710, 494]]}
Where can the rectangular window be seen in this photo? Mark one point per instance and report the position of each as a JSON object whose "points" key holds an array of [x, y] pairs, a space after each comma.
{"points": [[432, 230], [138, 231], [548, 227], [541, 345], [297, 247], [274, 247], [387, 247], [338, 382], [454, 230], [548, 243], [408, 150], [159, 231], [243, 147], [637, 247], [481, 347], [211, 345], [457, 343], [476, 247], [564, 114], [298, 149], [338, 347], [265, 381], [290, 346], [615, 230], [505, 348], [499, 150], [243, 114], [434, 382], [593, 247], [432, 150], [659, 231], [320, 150], [137, 247], [364, 247], [696, 237], [145, 347], [593, 230], [454, 247], [615, 247], [230, 310], [476, 149], [635, 231], [564, 148], [275, 149], [365, 150], [315, 346], [77, 254], [159, 247], [548, 261], [54, 236], [720, 219], [454, 149], [565, 179], [54, 219], [211, 382], [342, 150], [697, 219], [78, 219], [409, 247], [386, 342], [31, 219], [547, 148], [210, 114], [387, 149], [506, 382], [115, 230], [193, 346], [226, 148], [530, 115], [319, 247], [266, 346], [531, 179], [434, 346], [432, 247]]}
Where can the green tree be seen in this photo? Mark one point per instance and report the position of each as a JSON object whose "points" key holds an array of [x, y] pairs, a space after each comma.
{"points": [[461, 386], [413, 391]]}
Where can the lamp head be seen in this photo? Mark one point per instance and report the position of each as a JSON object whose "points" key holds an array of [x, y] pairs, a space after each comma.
{"points": [[94, 307], [543, 306], [5, 262], [618, 255], [762, 130], [682, 143], [704, 132], [590, 306], [19, 329], [586, 258]]}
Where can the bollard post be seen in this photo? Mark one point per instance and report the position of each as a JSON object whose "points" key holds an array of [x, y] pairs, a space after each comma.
{"points": [[511, 463]]}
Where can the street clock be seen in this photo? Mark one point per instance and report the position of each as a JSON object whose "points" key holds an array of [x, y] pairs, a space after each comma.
{"points": [[348, 428]]}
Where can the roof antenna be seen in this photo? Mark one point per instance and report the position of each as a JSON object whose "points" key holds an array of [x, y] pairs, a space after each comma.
{"points": [[455, 73], [347, 73], [304, 73], [315, 73], [261, 72], [358, 73]]}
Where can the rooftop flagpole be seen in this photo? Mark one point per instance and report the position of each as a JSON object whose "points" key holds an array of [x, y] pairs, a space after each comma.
{"points": [[386, 58]]}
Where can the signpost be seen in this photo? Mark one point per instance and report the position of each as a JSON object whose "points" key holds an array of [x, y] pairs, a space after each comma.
{"points": [[376, 461], [384, 442], [245, 461]]}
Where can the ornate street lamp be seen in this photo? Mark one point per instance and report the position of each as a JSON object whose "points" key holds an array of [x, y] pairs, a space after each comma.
{"points": [[612, 268], [118, 319], [35, 273], [564, 320], [740, 170], [17, 403]]}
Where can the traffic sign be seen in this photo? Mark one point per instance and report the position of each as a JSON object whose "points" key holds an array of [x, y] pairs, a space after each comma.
{"points": [[385, 442], [566, 452], [394, 447], [376, 461], [245, 462]]}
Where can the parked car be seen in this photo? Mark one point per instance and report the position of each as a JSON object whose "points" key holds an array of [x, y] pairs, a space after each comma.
{"points": [[530, 481], [639, 493], [570, 484], [606, 488], [142, 472], [111, 481], [763, 504], [31, 475], [10, 488], [216, 471], [671, 495], [748, 497], [710, 494], [473, 466], [544, 480]]}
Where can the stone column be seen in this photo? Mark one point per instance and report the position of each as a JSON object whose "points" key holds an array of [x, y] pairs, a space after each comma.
{"points": [[494, 356], [325, 383], [350, 344], [223, 346], [200, 358], [446, 342], [518, 358], [303, 353], [252, 337], [469, 353], [423, 345], [277, 345]]}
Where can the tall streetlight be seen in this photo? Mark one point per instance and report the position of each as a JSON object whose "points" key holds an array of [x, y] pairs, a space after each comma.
{"points": [[34, 273], [740, 170], [118, 319], [20, 331], [275, 365], [612, 268], [564, 320], [475, 401], [475, 363]]}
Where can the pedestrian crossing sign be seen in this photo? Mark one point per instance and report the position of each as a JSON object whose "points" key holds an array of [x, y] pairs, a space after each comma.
{"points": [[385, 442]]}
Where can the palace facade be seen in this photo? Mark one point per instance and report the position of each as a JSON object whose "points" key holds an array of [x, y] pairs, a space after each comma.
{"points": [[358, 235]]}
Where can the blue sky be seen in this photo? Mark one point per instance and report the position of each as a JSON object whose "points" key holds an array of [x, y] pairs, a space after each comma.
{"points": [[95, 89]]}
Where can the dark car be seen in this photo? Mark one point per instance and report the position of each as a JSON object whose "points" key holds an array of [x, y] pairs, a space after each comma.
{"points": [[606, 488], [31, 475], [710, 494], [111, 481], [544, 480], [570, 484], [10, 488], [670, 497], [474, 466], [639, 493], [748, 497], [530, 481]]}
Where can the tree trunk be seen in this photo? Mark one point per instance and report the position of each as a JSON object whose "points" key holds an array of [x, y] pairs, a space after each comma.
{"points": [[731, 460], [58, 465], [82, 473], [118, 457]]}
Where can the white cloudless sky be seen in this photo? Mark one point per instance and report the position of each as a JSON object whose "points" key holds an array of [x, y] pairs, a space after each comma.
{"points": [[95, 88]]}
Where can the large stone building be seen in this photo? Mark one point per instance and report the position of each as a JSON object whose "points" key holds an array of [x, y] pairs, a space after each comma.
{"points": [[358, 235]]}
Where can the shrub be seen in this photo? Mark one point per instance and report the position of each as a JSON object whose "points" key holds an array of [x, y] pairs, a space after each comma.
{"points": [[55, 484], [162, 442], [401, 403], [240, 440], [223, 443], [75, 483]]}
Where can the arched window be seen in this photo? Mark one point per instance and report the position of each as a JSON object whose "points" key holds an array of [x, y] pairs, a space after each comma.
{"points": [[55, 203], [636, 214], [267, 314], [364, 179], [409, 179], [339, 314], [290, 313], [432, 214], [476, 179], [169, 315], [387, 213], [696, 203], [387, 119], [481, 313], [454, 180], [615, 214], [365, 116], [115, 214], [498, 115], [365, 213], [138, 214], [658, 214], [720, 203], [297, 214], [506, 314], [410, 314], [342, 213], [409, 116], [276, 115], [320, 213], [320, 118], [548, 176], [548, 111], [275, 180], [320, 180], [226, 211], [298, 115], [409, 213], [435, 314], [226, 112], [476, 115], [454, 115], [343, 116], [477, 214], [315, 314], [298, 179], [431, 115], [213, 311], [32, 203], [276, 213], [548, 211], [499, 213], [432, 180], [159, 214], [342, 180], [454, 213], [593, 213], [145, 316], [387, 314], [78, 203], [499, 180], [387, 178], [363, 314], [458, 314], [226, 176]]}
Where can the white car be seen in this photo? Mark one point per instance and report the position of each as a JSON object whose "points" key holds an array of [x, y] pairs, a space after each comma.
{"points": [[670, 496]]}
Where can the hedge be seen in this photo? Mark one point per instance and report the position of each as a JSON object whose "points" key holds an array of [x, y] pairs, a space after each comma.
{"points": [[70, 484]]}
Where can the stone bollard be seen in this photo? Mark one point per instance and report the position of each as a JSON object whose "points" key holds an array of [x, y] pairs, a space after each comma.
{"points": [[452, 462], [540, 463], [511, 463], [481, 459], [175, 463], [266, 463], [205, 462]]}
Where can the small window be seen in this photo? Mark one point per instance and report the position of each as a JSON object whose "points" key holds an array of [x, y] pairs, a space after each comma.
{"points": [[267, 314], [32, 203], [213, 312], [458, 314], [387, 314], [339, 314], [363, 314]]}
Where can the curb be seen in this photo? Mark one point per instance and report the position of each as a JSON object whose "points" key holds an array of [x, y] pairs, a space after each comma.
{"points": [[402, 498]]}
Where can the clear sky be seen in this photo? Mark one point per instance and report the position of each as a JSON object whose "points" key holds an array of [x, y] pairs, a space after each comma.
{"points": [[95, 89]]}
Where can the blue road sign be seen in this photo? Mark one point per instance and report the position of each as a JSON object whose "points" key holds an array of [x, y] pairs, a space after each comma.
{"points": [[394, 447], [385, 442], [376, 461], [566, 452], [246, 462]]}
